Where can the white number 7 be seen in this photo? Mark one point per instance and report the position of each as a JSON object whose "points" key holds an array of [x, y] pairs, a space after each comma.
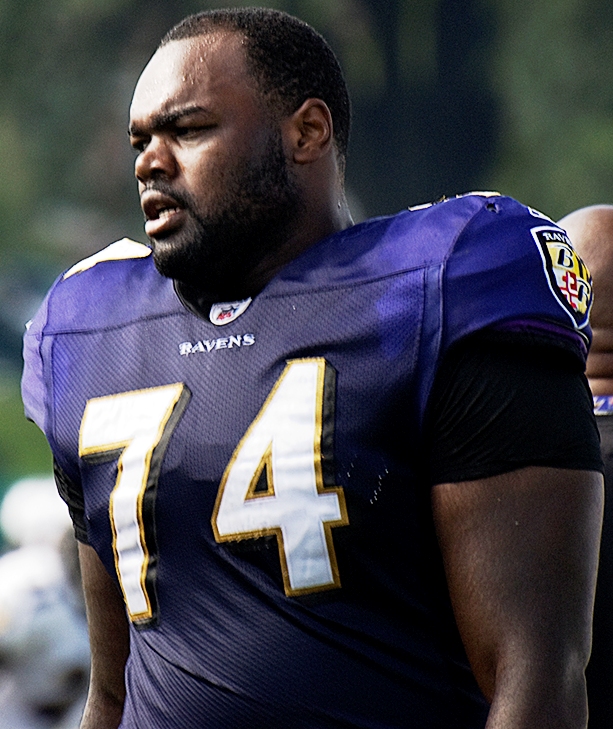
{"points": [[135, 427]]}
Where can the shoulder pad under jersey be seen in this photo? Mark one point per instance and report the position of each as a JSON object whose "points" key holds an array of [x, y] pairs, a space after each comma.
{"points": [[118, 251]]}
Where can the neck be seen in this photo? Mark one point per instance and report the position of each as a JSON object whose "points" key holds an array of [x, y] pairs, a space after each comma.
{"points": [[308, 228]]}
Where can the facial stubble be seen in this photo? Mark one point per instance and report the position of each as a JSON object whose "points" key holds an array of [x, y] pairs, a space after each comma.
{"points": [[217, 251]]}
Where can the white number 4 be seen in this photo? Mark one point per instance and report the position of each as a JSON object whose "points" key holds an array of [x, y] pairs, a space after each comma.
{"points": [[284, 444]]}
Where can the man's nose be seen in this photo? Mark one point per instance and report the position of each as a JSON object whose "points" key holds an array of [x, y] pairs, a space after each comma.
{"points": [[156, 160]]}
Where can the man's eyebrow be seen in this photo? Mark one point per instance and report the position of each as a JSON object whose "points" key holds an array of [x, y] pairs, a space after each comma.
{"points": [[164, 120]]}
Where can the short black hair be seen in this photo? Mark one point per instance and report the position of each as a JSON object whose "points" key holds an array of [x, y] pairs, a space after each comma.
{"points": [[288, 59]]}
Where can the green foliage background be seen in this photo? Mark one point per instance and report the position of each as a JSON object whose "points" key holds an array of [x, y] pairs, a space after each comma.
{"points": [[449, 95]]}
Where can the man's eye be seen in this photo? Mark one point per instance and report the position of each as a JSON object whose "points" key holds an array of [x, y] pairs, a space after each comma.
{"points": [[188, 132]]}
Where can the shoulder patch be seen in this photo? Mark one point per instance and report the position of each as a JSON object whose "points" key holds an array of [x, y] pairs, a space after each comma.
{"points": [[118, 251], [568, 277]]}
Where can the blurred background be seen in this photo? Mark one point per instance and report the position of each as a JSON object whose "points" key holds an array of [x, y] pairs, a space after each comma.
{"points": [[449, 96]]}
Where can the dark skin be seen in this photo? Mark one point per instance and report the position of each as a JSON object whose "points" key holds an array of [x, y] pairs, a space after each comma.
{"points": [[195, 137], [109, 640], [591, 232], [520, 553], [520, 549]]}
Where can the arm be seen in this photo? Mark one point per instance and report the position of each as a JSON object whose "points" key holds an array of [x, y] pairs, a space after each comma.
{"points": [[520, 553], [109, 640]]}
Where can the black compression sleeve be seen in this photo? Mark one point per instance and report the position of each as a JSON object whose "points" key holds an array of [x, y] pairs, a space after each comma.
{"points": [[73, 496], [501, 405]]}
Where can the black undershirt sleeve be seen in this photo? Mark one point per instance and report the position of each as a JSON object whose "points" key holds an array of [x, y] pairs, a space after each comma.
{"points": [[72, 494], [502, 404]]}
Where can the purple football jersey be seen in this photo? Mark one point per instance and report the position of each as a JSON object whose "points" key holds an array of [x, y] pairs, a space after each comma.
{"points": [[254, 481]]}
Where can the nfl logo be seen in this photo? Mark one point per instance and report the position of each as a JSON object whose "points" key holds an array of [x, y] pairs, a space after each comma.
{"points": [[228, 311]]}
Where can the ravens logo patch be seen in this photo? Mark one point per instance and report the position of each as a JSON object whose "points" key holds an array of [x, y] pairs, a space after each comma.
{"points": [[567, 275]]}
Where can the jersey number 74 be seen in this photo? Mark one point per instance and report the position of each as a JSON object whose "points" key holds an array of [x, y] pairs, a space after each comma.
{"points": [[279, 480]]}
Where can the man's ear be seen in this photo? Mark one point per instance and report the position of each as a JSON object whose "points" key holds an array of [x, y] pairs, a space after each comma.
{"points": [[308, 131]]}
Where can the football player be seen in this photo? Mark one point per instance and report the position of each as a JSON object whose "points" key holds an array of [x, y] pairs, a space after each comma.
{"points": [[44, 650], [324, 475], [591, 231]]}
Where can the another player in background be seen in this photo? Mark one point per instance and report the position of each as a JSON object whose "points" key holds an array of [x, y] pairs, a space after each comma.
{"points": [[44, 649], [591, 231], [331, 468]]}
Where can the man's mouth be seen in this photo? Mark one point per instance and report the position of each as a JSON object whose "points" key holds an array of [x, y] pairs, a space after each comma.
{"points": [[163, 213], [166, 212]]}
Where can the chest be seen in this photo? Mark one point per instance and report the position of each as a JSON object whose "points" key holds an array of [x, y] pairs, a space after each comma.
{"points": [[290, 422]]}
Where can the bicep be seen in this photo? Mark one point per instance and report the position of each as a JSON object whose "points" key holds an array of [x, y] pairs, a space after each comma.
{"points": [[520, 551]]}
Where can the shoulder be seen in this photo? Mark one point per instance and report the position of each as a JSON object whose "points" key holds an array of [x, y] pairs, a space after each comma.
{"points": [[473, 220], [483, 258], [121, 250], [415, 238], [426, 234], [511, 263], [477, 224], [113, 286], [117, 286]]}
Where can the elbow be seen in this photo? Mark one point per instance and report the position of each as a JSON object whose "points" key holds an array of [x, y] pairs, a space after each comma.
{"points": [[543, 687]]}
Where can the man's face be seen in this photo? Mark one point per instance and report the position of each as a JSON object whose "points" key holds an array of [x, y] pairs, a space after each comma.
{"points": [[212, 175]]}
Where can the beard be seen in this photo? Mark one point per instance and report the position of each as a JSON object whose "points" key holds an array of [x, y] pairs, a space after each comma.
{"points": [[214, 252]]}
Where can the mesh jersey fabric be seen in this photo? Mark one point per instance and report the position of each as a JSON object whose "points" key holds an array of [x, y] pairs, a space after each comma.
{"points": [[229, 620], [481, 418]]}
